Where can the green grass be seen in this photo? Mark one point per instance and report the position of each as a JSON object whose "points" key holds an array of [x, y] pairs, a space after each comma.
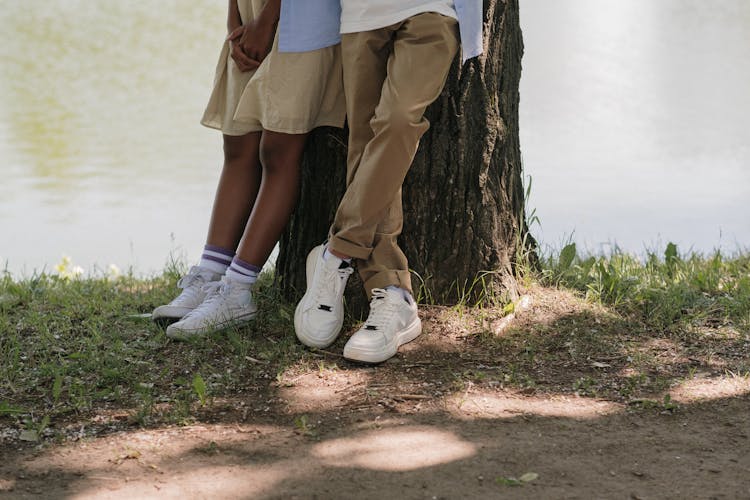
{"points": [[668, 291], [72, 346], [69, 346], [653, 323]]}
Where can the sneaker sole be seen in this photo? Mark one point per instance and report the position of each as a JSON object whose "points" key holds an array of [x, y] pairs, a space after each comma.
{"points": [[411, 332], [179, 334], [170, 313], [312, 259]]}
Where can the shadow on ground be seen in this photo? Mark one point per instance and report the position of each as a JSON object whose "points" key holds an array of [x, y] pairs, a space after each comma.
{"points": [[598, 450]]}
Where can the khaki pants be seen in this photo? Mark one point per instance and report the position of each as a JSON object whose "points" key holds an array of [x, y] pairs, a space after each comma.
{"points": [[391, 75]]}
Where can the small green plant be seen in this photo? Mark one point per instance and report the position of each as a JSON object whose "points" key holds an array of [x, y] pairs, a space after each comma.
{"points": [[512, 481], [671, 258], [43, 425], [8, 409], [567, 255], [143, 412], [57, 388], [199, 386], [212, 448], [423, 292], [508, 481], [668, 405], [303, 427], [526, 262], [585, 386]]}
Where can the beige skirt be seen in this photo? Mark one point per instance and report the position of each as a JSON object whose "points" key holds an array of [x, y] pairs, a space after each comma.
{"points": [[291, 93]]}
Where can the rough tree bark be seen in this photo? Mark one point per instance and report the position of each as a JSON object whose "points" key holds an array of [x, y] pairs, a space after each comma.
{"points": [[463, 197]]}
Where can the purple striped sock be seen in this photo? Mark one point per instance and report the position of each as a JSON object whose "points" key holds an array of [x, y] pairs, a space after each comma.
{"points": [[216, 259], [242, 271]]}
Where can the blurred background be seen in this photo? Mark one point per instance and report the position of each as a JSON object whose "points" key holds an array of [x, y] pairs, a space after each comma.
{"points": [[635, 125]]}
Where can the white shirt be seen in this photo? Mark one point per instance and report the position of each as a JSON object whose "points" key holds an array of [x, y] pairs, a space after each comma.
{"points": [[313, 24], [366, 15]]}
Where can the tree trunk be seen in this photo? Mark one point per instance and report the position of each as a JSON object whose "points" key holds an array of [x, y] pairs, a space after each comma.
{"points": [[463, 197]]}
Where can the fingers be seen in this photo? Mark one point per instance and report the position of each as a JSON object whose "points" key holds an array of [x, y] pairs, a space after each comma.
{"points": [[255, 43], [253, 53], [254, 49], [251, 50], [246, 65], [245, 52], [242, 60], [247, 44], [236, 33]]}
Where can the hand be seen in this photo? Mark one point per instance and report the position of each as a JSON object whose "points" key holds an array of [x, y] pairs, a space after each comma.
{"points": [[257, 39], [242, 60]]}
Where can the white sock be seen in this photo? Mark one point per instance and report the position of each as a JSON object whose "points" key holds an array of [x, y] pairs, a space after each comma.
{"points": [[216, 259], [243, 272]]}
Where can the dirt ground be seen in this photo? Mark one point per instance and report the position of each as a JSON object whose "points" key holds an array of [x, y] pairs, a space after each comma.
{"points": [[445, 419]]}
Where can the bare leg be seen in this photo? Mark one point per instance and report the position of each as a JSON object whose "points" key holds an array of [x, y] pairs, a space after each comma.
{"points": [[235, 196], [237, 190], [280, 155]]}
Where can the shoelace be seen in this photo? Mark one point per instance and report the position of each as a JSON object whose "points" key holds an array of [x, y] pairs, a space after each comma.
{"points": [[191, 283], [215, 291], [330, 286], [189, 278], [382, 310]]}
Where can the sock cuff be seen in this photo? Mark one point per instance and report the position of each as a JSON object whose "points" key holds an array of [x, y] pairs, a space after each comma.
{"points": [[218, 255], [218, 250], [216, 259], [243, 267]]}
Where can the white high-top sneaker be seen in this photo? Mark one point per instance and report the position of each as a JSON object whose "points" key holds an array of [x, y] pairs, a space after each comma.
{"points": [[228, 303], [192, 294], [320, 314], [393, 321]]}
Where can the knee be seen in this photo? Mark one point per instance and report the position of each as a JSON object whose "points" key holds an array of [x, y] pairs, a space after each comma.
{"points": [[276, 156], [397, 118], [235, 152]]}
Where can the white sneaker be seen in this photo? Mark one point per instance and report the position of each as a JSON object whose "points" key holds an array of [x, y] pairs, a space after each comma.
{"points": [[228, 303], [392, 322], [320, 314], [192, 294]]}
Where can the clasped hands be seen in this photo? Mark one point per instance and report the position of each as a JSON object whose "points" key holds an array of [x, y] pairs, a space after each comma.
{"points": [[250, 44]]}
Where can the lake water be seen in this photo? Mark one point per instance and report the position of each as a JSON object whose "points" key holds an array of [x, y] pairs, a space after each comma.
{"points": [[635, 117], [635, 121]]}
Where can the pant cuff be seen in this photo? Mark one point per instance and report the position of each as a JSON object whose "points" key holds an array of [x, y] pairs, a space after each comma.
{"points": [[348, 248]]}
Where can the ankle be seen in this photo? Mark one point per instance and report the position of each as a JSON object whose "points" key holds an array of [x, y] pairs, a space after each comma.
{"points": [[404, 292], [216, 259], [243, 272], [331, 252]]}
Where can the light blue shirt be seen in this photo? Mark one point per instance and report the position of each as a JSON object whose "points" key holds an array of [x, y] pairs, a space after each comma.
{"points": [[307, 25]]}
